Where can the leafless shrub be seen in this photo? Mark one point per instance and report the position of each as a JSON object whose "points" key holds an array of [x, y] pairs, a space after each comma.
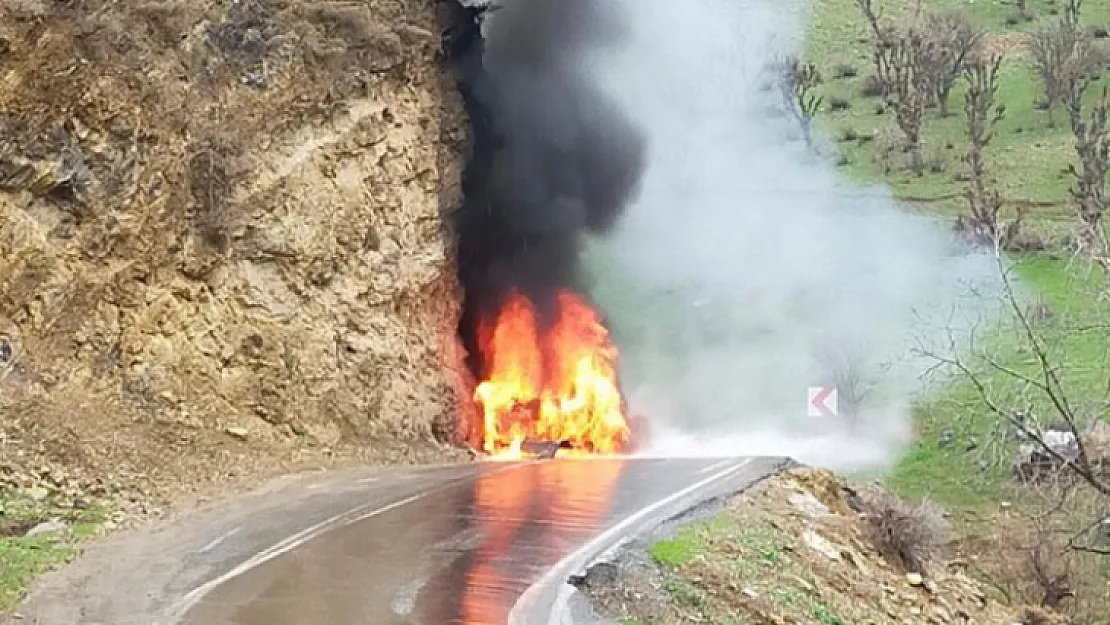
{"points": [[934, 160], [1053, 554], [1051, 570], [837, 103], [1025, 241], [873, 87], [844, 70], [867, 7], [910, 534], [796, 82], [888, 143]]}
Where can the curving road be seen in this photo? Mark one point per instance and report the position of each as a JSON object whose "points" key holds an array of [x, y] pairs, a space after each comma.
{"points": [[485, 544]]}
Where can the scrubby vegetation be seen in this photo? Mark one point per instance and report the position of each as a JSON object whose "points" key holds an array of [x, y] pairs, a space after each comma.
{"points": [[793, 550], [910, 533]]}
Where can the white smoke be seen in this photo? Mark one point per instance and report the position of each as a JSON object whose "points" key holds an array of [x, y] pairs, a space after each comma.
{"points": [[749, 270]]}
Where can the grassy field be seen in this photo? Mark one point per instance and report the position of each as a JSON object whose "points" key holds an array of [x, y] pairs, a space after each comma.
{"points": [[23, 557], [1028, 156], [1028, 160], [957, 460], [928, 469]]}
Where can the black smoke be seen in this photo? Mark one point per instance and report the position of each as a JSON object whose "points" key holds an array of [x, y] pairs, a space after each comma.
{"points": [[551, 157]]}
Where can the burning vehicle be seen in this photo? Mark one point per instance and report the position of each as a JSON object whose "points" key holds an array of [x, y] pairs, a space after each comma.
{"points": [[552, 160], [552, 382]]}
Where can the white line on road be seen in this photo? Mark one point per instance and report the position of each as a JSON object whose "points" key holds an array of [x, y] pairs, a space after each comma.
{"points": [[568, 565], [296, 540], [359, 513], [219, 540], [713, 467]]}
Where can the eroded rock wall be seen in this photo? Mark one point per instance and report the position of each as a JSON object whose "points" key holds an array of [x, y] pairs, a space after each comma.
{"points": [[222, 234]]}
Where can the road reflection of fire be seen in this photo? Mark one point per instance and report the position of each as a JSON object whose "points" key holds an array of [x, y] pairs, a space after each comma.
{"points": [[569, 494]]}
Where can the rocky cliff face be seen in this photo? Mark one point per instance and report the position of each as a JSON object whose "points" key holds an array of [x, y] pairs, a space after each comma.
{"points": [[222, 242]]}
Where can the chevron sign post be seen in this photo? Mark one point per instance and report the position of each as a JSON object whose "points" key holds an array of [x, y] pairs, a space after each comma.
{"points": [[822, 401]]}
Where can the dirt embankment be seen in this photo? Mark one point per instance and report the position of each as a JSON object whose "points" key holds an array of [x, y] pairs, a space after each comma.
{"points": [[793, 550], [222, 249]]}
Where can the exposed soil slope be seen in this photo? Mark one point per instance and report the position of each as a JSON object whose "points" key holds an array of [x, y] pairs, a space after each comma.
{"points": [[789, 551], [222, 248]]}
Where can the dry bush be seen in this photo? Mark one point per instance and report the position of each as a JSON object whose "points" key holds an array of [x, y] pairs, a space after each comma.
{"points": [[934, 160], [844, 70], [1050, 569], [1026, 241], [917, 64], [873, 87], [909, 534], [888, 143], [1026, 557], [837, 103], [849, 134]]}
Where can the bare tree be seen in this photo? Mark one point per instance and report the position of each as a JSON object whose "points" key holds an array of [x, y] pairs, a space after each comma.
{"points": [[980, 226], [885, 37], [1033, 401], [912, 90], [1064, 58], [947, 42], [918, 66], [796, 82], [1092, 145], [1071, 11], [1042, 388], [846, 365]]}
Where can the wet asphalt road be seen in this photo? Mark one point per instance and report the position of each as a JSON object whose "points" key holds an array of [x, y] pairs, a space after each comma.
{"points": [[485, 544]]}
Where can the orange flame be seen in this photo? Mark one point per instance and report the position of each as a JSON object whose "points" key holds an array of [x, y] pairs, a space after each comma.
{"points": [[558, 385]]}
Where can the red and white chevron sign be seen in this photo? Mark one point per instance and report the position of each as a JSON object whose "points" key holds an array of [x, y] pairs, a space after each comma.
{"points": [[822, 401]]}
